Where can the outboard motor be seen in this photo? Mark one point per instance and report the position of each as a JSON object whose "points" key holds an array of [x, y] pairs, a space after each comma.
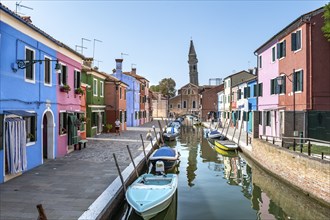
{"points": [[160, 167]]}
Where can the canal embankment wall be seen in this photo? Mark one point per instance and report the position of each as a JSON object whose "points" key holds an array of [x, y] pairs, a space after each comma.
{"points": [[307, 174], [293, 202]]}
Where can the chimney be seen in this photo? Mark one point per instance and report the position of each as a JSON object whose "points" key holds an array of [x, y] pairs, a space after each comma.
{"points": [[133, 71], [119, 65], [88, 62]]}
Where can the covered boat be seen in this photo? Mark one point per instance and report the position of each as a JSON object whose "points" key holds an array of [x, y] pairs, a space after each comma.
{"points": [[226, 145], [166, 154], [151, 194], [214, 134], [171, 133]]}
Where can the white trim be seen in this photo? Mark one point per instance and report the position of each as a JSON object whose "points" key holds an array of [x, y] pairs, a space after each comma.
{"points": [[101, 89], [301, 43], [34, 68], [63, 64], [50, 143], [95, 92], [50, 71]]}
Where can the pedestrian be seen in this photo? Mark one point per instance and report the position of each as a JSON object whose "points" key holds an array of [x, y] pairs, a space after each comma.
{"points": [[117, 125]]}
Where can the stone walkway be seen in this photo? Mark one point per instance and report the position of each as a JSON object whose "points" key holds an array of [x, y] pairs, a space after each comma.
{"points": [[67, 186]]}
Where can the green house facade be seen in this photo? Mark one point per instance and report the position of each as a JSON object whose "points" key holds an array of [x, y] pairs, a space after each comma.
{"points": [[95, 99]]}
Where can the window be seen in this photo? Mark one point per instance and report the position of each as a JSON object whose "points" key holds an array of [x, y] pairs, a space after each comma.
{"points": [[95, 87], [47, 71], [63, 77], [124, 94], [194, 104], [94, 119], [184, 104], [170, 105], [260, 117], [77, 79], [273, 54], [63, 122], [260, 61], [296, 40], [179, 106], [260, 89], [125, 114], [268, 118], [239, 94], [298, 81], [31, 128], [247, 93], [120, 93], [29, 70], [102, 89], [120, 116], [272, 86], [281, 49]]}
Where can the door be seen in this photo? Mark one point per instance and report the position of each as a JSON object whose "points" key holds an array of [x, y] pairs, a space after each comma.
{"points": [[99, 123], [44, 137]]}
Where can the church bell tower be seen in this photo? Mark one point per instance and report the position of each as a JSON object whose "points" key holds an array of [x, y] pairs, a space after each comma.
{"points": [[192, 60]]}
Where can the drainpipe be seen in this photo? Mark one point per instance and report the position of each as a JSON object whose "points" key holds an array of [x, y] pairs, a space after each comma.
{"points": [[257, 99]]}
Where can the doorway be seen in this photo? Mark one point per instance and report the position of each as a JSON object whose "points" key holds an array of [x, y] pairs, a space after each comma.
{"points": [[48, 136]]}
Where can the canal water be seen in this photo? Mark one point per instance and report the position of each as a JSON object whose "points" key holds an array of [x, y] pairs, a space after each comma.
{"points": [[214, 186]]}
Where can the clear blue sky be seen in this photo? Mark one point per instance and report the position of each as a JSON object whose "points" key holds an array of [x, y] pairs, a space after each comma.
{"points": [[156, 34]]}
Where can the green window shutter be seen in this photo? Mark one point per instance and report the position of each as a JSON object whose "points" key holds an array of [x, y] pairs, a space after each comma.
{"points": [[284, 84], [284, 48], [272, 86], [301, 80], [298, 40], [294, 82], [248, 89], [260, 89], [245, 92], [293, 41], [278, 50], [255, 90], [75, 80]]}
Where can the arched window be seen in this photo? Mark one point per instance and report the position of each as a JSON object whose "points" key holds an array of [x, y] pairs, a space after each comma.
{"points": [[184, 104], [194, 104]]}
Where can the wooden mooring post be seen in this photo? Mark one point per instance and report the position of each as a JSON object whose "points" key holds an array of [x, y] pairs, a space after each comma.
{"points": [[132, 159], [119, 172], [144, 150], [41, 211]]}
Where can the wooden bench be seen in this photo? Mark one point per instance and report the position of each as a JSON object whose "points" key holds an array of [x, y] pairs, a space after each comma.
{"points": [[82, 142]]}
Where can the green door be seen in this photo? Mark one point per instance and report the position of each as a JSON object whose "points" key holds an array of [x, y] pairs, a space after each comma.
{"points": [[73, 130]]}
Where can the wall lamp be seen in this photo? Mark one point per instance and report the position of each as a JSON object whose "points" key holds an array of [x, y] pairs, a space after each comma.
{"points": [[22, 64]]}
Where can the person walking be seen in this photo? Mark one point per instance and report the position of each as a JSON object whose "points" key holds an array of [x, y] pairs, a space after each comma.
{"points": [[117, 126]]}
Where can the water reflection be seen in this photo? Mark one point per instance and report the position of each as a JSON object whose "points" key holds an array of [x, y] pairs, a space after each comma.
{"points": [[216, 186]]}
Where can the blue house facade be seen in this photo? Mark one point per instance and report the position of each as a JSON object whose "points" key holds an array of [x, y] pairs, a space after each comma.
{"points": [[132, 94], [28, 108], [252, 101]]}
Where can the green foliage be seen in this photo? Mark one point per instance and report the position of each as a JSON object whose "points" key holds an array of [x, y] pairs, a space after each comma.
{"points": [[108, 127], [326, 26], [154, 88], [167, 87]]}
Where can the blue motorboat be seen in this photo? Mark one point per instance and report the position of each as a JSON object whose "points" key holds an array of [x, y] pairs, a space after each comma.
{"points": [[166, 154]]}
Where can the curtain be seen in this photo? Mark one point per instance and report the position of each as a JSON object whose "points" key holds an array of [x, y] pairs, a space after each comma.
{"points": [[16, 145]]}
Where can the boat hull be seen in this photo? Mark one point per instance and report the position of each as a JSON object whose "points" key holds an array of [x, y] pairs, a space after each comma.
{"points": [[226, 145], [166, 154], [151, 194]]}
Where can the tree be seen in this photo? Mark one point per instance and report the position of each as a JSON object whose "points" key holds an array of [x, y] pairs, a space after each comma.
{"points": [[167, 87], [154, 88], [326, 26]]}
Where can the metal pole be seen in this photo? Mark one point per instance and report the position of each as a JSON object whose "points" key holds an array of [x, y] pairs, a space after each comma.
{"points": [[121, 177], [130, 155]]}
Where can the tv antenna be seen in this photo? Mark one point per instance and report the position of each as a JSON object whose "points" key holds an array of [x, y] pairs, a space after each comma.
{"points": [[123, 54], [82, 44], [18, 4], [94, 47]]}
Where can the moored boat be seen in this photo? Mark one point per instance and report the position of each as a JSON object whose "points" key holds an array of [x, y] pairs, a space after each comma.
{"points": [[166, 154], [214, 134], [151, 194], [225, 145], [171, 133]]}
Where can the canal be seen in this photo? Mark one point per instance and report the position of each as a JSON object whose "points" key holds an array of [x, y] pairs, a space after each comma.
{"points": [[214, 186]]}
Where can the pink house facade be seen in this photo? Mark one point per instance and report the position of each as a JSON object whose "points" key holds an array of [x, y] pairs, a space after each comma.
{"points": [[69, 103], [268, 101]]}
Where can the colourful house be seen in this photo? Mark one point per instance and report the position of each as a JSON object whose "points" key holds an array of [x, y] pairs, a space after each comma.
{"points": [[95, 114], [31, 64], [293, 72], [132, 94]]}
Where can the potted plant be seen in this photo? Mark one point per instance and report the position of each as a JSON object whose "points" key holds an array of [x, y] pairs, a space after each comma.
{"points": [[65, 88], [108, 127], [79, 91], [30, 137]]}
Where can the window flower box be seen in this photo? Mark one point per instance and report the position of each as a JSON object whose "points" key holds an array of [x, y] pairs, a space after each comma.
{"points": [[79, 91], [65, 88]]}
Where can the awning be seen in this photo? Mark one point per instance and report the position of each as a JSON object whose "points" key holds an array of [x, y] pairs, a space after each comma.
{"points": [[19, 113]]}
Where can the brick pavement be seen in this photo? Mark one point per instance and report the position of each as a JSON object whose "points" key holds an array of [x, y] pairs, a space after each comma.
{"points": [[67, 186]]}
